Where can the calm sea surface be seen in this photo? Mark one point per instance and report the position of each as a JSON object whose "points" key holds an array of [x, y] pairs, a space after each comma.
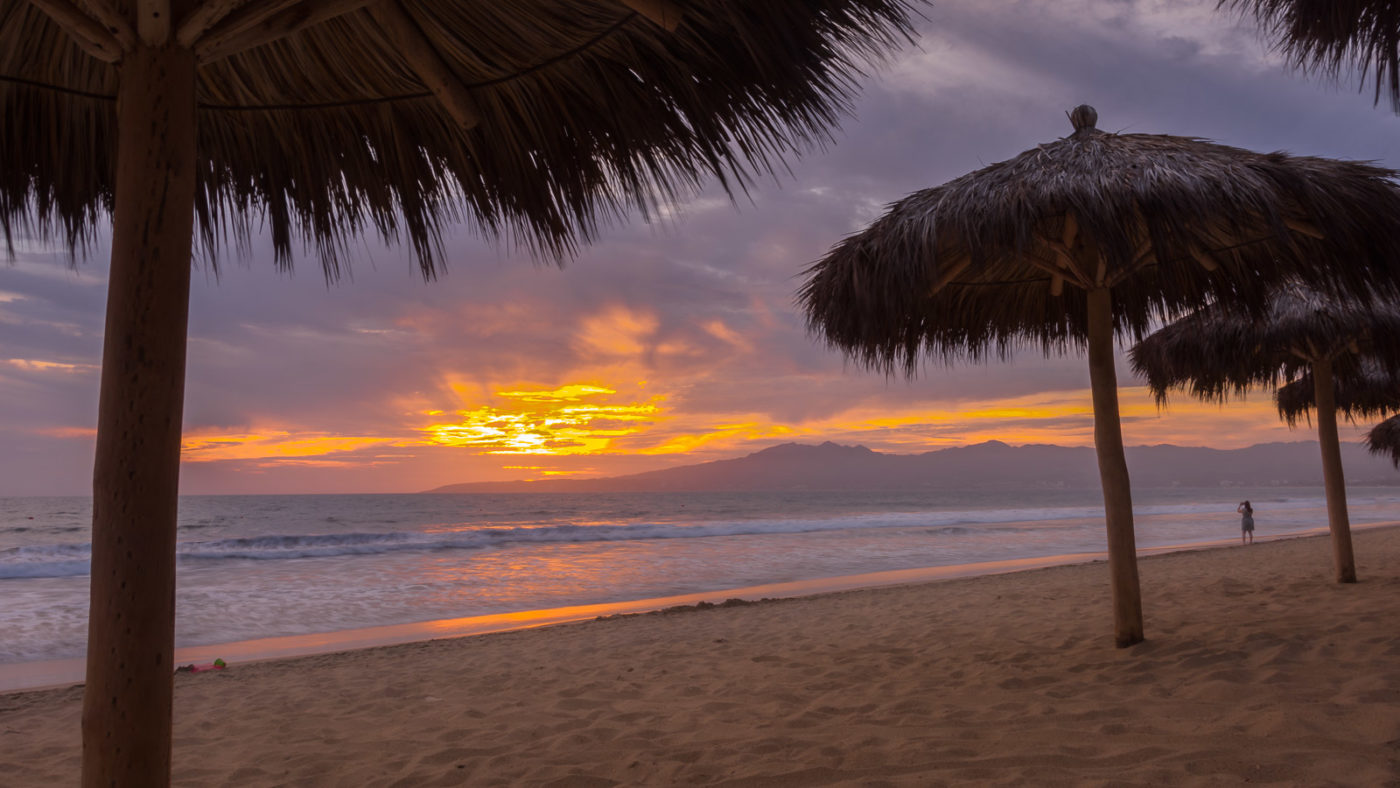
{"points": [[262, 566]]}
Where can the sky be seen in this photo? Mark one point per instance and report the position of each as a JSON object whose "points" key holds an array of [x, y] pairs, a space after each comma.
{"points": [[677, 341]]}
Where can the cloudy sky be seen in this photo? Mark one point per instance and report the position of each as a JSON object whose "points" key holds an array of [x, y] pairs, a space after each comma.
{"points": [[675, 342]]}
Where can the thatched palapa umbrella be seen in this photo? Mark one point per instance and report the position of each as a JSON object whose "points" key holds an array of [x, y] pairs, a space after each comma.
{"points": [[322, 119], [1384, 438], [1360, 391], [1372, 390], [1089, 236], [1332, 36], [1222, 349]]}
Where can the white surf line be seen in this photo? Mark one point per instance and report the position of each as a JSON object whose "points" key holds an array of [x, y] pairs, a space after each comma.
{"points": [[62, 672]]}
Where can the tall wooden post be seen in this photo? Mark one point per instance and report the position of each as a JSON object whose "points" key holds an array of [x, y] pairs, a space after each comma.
{"points": [[1338, 522], [1113, 473], [131, 628]]}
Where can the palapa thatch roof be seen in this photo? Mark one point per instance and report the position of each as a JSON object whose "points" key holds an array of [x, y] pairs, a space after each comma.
{"points": [[1333, 36], [1384, 438], [1367, 391], [1223, 349], [561, 112], [978, 265]]}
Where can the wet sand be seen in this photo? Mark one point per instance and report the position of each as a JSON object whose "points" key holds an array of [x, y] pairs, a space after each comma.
{"points": [[1257, 668]]}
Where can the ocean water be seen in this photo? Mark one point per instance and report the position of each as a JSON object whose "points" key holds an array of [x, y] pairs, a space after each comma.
{"points": [[263, 566]]}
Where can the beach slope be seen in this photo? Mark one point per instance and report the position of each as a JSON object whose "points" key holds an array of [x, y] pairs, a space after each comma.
{"points": [[1257, 668]]}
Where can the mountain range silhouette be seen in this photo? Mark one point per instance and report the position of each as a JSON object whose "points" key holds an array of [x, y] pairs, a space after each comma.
{"points": [[991, 465]]}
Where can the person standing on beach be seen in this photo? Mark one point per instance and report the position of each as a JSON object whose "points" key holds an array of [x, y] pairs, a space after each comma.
{"points": [[1246, 522]]}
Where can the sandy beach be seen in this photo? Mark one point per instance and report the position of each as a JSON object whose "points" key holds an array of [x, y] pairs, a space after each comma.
{"points": [[1257, 668]]}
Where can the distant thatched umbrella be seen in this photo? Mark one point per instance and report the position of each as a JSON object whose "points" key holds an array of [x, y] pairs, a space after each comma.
{"points": [[321, 120], [1366, 392], [1139, 226], [1221, 349], [1370, 391], [1334, 35], [1384, 438]]}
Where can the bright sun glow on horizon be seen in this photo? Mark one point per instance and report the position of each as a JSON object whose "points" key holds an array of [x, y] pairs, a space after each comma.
{"points": [[551, 421]]}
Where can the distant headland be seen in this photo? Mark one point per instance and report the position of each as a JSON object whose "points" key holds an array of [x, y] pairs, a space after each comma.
{"points": [[990, 465]]}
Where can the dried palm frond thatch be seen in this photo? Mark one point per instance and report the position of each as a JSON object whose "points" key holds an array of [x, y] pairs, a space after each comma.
{"points": [[1224, 350], [1333, 36], [316, 121], [1384, 438], [1221, 349], [1176, 223], [572, 112], [1093, 235], [1369, 391]]}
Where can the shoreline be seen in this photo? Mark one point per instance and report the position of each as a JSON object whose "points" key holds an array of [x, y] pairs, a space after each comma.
{"points": [[1258, 667], [55, 674]]}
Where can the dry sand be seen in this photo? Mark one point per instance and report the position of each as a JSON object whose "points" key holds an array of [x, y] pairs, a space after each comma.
{"points": [[1257, 669]]}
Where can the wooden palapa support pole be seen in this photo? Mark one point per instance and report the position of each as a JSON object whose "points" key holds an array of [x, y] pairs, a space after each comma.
{"points": [[1113, 473], [127, 701], [1338, 522]]}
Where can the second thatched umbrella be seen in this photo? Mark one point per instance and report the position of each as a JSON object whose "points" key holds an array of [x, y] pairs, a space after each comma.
{"points": [[1138, 226], [1221, 350], [1384, 438], [1370, 391], [1365, 391]]}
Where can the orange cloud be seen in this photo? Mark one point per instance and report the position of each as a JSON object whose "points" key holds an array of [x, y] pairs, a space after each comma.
{"points": [[276, 444], [314, 463], [68, 432], [616, 332], [727, 335], [723, 435], [39, 365], [572, 393]]}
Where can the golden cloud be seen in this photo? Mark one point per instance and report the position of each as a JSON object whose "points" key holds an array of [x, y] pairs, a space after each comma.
{"points": [[271, 445], [68, 432], [547, 421], [39, 365], [616, 332]]}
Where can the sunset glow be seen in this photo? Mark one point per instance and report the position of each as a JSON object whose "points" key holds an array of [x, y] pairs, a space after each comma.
{"points": [[590, 430], [556, 421]]}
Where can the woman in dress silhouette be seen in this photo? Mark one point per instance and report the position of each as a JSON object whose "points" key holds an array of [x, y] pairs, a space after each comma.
{"points": [[1246, 522]]}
